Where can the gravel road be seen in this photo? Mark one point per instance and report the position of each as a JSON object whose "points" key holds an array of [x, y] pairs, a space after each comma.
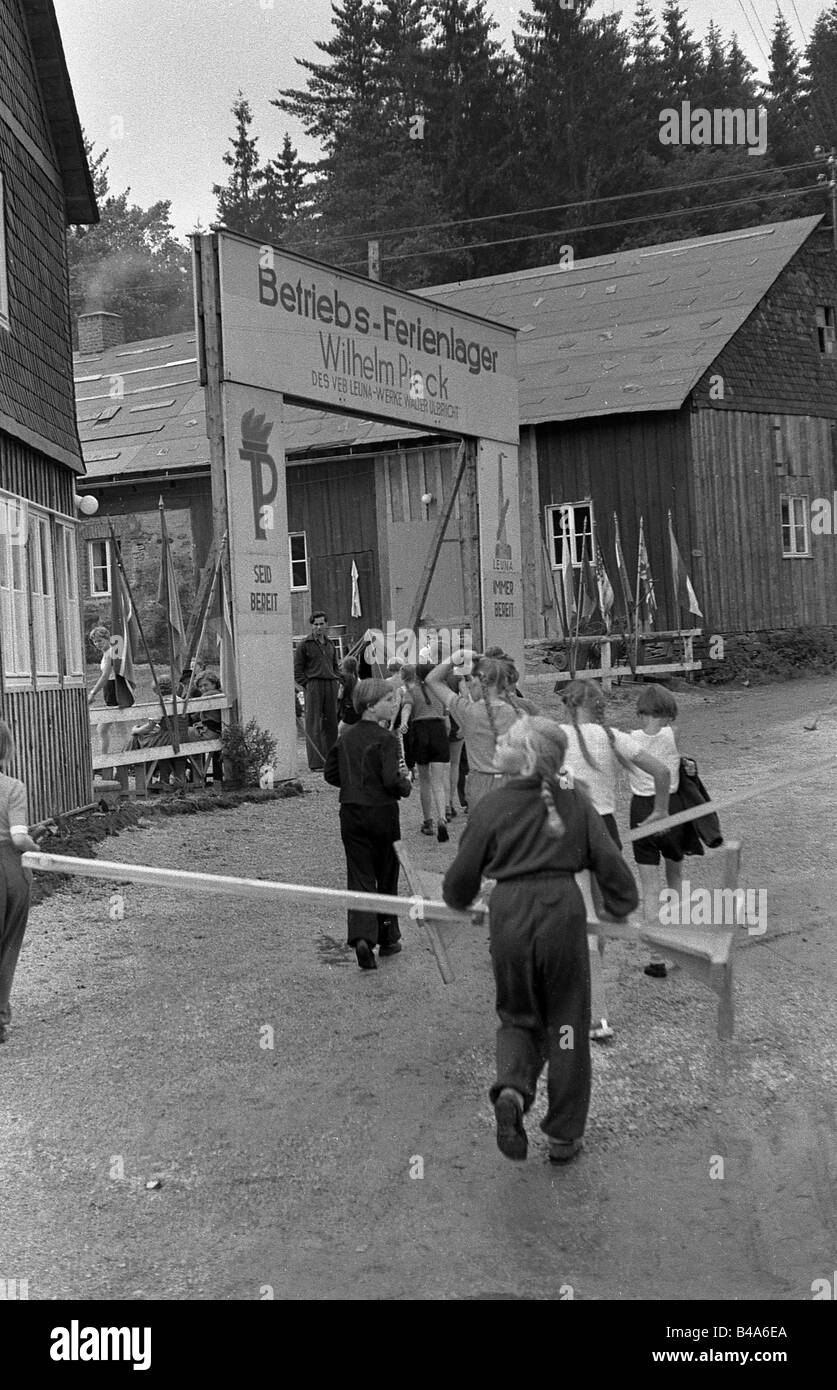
{"points": [[140, 1053]]}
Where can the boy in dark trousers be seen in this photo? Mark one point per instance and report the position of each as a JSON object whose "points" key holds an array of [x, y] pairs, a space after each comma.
{"points": [[366, 765], [532, 836]]}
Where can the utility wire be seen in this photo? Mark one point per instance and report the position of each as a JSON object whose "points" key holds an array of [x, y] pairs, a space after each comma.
{"points": [[761, 26], [562, 207], [596, 226], [752, 30]]}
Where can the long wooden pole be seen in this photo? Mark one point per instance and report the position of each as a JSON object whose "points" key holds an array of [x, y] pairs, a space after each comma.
{"points": [[707, 807], [118, 553], [175, 676], [443, 518], [193, 656]]}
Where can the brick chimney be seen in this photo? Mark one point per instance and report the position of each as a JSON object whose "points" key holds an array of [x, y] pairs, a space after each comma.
{"points": [[99, 331]]}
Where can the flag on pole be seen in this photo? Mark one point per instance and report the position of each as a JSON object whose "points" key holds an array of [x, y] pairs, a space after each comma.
{"points": [[567, 580], [645, 580], [622, 571], [589, 594], [124, 630], [605, 588], [169, 598], [229, 684], [686, 596], [356, 613]]}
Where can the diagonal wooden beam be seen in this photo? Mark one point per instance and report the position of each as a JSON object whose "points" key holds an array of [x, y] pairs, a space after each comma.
{"points": [[436, 543]]}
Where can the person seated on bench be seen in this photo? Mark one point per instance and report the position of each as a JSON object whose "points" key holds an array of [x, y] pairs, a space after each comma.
{"points": [[208, 723], [157, 733]]}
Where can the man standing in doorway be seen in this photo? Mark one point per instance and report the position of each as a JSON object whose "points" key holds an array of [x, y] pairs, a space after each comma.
{"points": [[315, 670]]}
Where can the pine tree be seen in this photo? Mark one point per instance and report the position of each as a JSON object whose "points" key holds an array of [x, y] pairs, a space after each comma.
{"points": [[470, 126], [712, 92], [787, 114], [581, 137], [821, 75], [742, 90], [240, 200], [284, 185], [341, 88], [680, 57]]}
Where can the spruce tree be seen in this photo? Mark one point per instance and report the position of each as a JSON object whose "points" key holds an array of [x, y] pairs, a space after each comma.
{"points": [[821, 75], [339, 89], [240, 200], [581, 137], [787, 114], [680, 57]]}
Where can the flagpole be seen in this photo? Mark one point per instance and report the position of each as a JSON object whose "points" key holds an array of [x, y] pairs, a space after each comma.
{"points": [[674, 583], [206, 613], [580, 599], [559, 606], [117, 552], [174, 679], [637, 602]]}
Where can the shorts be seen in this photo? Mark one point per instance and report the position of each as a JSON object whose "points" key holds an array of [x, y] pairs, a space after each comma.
{"points": [[672, 844], [430, 741], [610, 824]]}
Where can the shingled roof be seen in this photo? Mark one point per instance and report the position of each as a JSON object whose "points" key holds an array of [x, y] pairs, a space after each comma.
{"points": [[634, 331], [630, 332]]}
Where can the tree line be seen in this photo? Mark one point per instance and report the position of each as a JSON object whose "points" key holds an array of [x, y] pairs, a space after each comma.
{"points": [[467, 159]]}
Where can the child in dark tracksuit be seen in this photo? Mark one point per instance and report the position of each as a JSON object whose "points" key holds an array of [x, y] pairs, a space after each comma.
{"points": [[532, 836], [365, 763]]}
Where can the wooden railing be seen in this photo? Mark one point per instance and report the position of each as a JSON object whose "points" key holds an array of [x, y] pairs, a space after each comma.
{"points": [[145, 760], [608, 672]]}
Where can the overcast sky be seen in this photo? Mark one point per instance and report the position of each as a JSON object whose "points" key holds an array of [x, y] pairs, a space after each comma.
{"points": [[154, 79]]}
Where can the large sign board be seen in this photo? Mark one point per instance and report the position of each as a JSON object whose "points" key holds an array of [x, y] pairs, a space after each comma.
{"points": [[326, 337]]}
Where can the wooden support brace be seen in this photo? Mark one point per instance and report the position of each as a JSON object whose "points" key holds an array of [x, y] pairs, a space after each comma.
{"points": [[427, 885]]}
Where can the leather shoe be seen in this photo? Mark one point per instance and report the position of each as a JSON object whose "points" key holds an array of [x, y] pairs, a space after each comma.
{"points": [[365, 957]]}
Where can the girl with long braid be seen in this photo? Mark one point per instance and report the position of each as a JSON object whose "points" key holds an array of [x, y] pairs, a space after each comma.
{"points": [[595, 753], [532, 835], [487, 711]]}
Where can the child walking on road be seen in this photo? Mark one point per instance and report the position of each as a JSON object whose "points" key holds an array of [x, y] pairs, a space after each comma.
{"points": [[15, 881], [657, 710], [532, 836], [365, 763]]}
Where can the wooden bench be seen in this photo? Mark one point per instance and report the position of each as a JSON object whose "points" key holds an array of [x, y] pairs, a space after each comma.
{"points": [[197, 753], [705, 954]]}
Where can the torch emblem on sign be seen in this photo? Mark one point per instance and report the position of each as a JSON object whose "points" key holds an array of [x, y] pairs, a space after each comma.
{"points": [[255, 430], [502, 549]]}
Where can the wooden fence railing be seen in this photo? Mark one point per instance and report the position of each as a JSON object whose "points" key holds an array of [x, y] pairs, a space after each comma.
{"points": [[197, 751]]}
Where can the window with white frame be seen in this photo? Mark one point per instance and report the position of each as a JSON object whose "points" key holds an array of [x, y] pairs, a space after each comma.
{"points": [[794, 512], [578, 517], [298, 550], [42, 596], [66, 565], [14, 589], [98, 561], [5, 321]]}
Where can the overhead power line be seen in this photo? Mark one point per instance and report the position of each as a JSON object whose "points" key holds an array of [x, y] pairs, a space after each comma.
{"points": [[596, 226], [380, 233]]}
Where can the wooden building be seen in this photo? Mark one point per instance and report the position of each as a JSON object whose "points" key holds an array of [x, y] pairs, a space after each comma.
{"points": [[698, 377], [45, 184]]}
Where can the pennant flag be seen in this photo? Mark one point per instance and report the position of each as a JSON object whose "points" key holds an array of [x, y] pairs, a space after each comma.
{"points": [[229, 684], [123, 627], [622, 571], [686, 596], [605, 588], [645, 580], [169, 598], [589, 593], [356, 613], [567, 580]]}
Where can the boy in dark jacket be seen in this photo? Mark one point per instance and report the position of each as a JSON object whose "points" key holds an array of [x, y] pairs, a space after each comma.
{"points": [[366, 765]]}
